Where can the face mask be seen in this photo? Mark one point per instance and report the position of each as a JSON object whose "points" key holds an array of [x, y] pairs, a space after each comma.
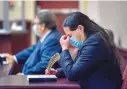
{"points": [[74, 42], [34, 28]]}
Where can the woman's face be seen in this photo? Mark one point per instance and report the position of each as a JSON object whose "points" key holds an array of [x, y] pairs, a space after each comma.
{"points": [[78, 33]]}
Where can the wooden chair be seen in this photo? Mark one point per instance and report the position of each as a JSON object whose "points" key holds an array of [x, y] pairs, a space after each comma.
{"points": [[124, 85], [123, 58]]}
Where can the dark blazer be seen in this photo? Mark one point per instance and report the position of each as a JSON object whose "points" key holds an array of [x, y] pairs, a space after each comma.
{"points": [[95, 68], [37, 57]]}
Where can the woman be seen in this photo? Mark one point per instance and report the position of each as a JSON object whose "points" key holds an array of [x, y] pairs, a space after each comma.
{"points": [[97, 62]]}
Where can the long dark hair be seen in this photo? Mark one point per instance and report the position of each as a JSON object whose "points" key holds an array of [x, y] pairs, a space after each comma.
{"points": [[78, 18]]}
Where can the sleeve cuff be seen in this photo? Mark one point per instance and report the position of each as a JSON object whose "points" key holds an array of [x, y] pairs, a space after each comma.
{"points": [[65, 50], [14, 57], [60, 73]]}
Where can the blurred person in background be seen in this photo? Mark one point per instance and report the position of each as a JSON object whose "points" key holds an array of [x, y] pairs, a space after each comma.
{"points": [[37, 56], [97, 62]]}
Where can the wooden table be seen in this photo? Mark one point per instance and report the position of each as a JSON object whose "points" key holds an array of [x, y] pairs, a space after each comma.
{"points": [[20, 82]]}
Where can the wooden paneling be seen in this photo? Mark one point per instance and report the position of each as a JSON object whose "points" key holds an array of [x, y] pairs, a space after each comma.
{"points": [[5, 43], [18, 42], [21, 41], [60, 20], [57, 4], [13, 43]]}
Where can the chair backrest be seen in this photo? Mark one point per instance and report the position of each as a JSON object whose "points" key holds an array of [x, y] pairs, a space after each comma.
{"points": [[124, 84], [123, 58]]}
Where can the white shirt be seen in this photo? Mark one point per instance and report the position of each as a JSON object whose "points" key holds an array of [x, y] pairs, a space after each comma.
{"points": [[42, 40]]}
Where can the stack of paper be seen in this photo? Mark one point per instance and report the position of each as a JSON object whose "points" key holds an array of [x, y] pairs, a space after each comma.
{"points": [[41, 78]]}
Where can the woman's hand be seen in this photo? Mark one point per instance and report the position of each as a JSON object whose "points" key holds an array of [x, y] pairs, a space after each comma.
{"points": [[51, 72], [65, 42]]}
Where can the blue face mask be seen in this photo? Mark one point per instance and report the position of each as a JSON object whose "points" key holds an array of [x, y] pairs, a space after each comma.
{"points": [[74, 42], [34, 28]]}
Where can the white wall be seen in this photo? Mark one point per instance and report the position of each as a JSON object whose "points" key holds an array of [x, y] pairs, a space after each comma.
{"points": [[1, 9], [111, 15]]}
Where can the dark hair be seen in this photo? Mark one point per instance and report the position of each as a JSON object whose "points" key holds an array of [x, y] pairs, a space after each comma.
{"points": [[110, 33], [78, 18], [48, 18]]}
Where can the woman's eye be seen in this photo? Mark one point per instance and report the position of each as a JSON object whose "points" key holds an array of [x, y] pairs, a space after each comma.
{"points": [[70, 36]]}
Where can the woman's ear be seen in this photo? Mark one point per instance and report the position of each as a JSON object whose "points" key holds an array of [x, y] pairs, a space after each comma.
{"points": [[81, 28]]}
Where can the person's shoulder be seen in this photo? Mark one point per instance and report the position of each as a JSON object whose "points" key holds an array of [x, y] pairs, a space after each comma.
{"points": [[55, 34], [53, 37], [95, 44], [56, 31], [95, 38]]}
